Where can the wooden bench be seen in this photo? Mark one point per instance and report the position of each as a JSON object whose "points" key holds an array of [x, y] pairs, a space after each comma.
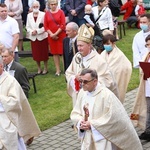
{"points": [[121, 25], [32, 76], [27, 53]]}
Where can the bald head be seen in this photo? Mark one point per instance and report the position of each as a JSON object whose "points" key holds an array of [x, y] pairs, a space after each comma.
{"points": [[88, 9]]}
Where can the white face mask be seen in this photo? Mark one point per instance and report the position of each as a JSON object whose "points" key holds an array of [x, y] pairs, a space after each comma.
{"points": [[35, 10], [144, 27]]}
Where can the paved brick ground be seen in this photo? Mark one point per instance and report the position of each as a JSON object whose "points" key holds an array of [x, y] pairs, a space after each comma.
{"points": [[63, 137]]}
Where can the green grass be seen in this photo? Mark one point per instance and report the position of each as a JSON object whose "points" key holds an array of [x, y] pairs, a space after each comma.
{"points": [[51, 104]]}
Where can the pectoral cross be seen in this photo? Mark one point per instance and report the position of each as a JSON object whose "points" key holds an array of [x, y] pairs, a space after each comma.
{"points": [[79, 60]]}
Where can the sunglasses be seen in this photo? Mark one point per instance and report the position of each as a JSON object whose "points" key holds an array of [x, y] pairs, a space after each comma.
{"points": [[85, 81]]}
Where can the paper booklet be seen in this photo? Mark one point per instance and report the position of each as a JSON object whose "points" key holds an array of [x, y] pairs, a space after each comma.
{"points": [[146, 69]]}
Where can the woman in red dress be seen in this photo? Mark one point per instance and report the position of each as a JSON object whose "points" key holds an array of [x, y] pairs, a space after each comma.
{"points": [[54, 23], [36, 33]]}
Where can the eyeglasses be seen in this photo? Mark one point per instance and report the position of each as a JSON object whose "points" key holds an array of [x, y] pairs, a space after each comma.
{"points": [[85, 81], [53, 4]]}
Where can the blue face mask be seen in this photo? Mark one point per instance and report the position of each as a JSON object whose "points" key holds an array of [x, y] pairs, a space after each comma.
{"points": [[144, 27], [108, 48]]}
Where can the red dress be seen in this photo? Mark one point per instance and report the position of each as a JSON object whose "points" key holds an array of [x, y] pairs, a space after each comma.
{"points": [[56, 46], [40, 49]]}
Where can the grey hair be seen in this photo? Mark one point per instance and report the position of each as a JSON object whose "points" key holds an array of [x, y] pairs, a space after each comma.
{"points": [[10, 51], [35, 2], [92, 72], [73, 26]]}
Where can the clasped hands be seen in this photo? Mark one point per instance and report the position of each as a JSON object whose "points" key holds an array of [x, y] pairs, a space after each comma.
{"points": [[53, 36], [11, 14], [73, 12], [34, 32], [85, 125]]}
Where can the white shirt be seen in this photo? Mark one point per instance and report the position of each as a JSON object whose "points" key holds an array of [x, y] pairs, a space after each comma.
{"points": [[8, 28], [11, 72], [74, 39], [88, 19], [8, 66], [138, 47], [106, 20], [136, 9]]}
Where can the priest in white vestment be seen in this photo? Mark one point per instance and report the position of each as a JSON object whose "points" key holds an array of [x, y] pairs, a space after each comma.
{"points": [[118, 64], [100, 118], [87, 57], [17, 122], [140, 115]]}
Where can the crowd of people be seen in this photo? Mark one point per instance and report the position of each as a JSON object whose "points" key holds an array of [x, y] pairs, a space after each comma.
{"points": [[97, 77], [52, 16]]}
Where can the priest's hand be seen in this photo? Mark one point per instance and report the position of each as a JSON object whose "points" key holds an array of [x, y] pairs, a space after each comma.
{"points": [[85, 125]]}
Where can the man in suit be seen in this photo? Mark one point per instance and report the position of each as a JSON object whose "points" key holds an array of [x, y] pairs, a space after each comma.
{"points": [[27, 8], [70, 43], [75, 10], [16, 69]]}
